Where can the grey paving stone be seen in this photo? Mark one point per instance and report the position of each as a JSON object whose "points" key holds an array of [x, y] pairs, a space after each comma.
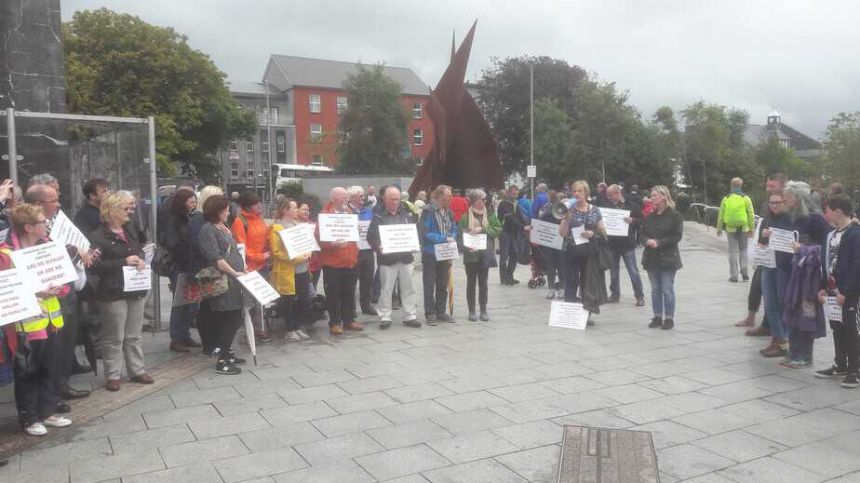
{"points": [[600, 418], [115, 466], [687, 461], [361, 402], [471, 421], [115, 425], [408, 434], [418, 392], [280, 437], [312, 394], [61, 454], [524, 392], [265, 388], [296, 414], [807, 427], [709, 478], [413, 411], [673, 385], [55, 473], [371, 384], [816, 397], [204, 396], [769, 469], [736, 392], [471, 383], [401, 462], [645, 411], [482, 471], [739, 445], [668, 433], [350, 423], [539, 465], [331, 450], [249, 404], [144, 405], [618, 377], [197, 473], [531, 435], [629, 393], [341, 472], [470, 401], [158, 419], [526, 411], [472, 446], [255, 465], [713, 421], [150, 439], [409, 479], [216, 427], [759, 410], [193, 453], [320, 378]]}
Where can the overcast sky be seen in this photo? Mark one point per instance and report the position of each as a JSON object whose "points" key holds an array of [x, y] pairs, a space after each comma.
{"points": [[799, 57]]}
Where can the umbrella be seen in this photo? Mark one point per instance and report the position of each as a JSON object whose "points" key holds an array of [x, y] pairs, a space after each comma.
{"points": [[249, 334], [451, 289]]}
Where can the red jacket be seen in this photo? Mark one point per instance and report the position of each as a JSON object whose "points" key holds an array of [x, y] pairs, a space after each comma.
{"points": [[331, 255], [459, 207], [255, 238]]}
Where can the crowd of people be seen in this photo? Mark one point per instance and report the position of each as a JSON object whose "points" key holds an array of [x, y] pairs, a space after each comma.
{"points": [[206, 240]]}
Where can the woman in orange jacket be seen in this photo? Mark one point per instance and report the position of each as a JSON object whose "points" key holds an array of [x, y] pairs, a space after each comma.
{"points": [[250, 229]]}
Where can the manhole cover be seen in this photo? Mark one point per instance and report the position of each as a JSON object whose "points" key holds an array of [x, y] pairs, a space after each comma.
{"points": [[600, 455]]}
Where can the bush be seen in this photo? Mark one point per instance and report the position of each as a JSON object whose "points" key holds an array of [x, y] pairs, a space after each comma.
{"points": [[291, 189]]}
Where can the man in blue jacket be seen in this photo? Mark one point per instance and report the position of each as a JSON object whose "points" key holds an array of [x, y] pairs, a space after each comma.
{"points": [[436, 226]]}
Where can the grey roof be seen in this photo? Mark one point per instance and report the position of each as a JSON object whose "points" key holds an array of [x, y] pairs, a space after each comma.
{"points": [[256, 88], [305, 72]]}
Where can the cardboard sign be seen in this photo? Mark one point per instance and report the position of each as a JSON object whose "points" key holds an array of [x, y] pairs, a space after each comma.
{"points": [[399, 238], [259, 288], [49, 263], [832, 310], [446, 251], [299, 239], [134, 280], [568, 315], [763, 256], [782, 240], [17, 297], [546, 234], [613, 221], [65, 232], [576, 235], [475, 242], [338, 227], [363, 227]]}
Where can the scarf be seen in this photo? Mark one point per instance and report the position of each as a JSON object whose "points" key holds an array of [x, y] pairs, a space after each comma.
{"points": [[443, 220], [475, 222]]}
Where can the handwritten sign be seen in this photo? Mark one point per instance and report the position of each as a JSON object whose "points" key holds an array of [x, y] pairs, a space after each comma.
{"points": [[363, 227], [338, 227], [832, 310], [763, 256], [17, 296], [546, 234], [134, 280], [299, 239], [48, 262], [475, 242], [568, 315], [399, 238], [65, 232], [576, 235], [446, 251], [614, 222], [782, 240], [258, 287]]}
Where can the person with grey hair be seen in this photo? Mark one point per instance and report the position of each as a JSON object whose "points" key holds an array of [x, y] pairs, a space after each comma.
{"points": [[45, 179], [738, 218], [479, 220], [624, 247], [339, 259], [541, 199]]}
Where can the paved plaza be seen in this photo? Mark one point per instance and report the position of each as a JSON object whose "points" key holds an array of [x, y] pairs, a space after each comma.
{"points": [[484, 402]]}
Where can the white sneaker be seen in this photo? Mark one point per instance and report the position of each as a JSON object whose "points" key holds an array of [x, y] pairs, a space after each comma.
{"points": [[292, 336], [36, 429], [302, 334], [559, 294], [57, 421]]}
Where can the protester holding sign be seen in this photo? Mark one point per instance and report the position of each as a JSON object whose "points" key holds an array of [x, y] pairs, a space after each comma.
{"points": [[289, 274], [366, 261], [624, 247], [122, 311], [770, 280], [394, 268], [479, 220], [339, 259], [545, 230], [35, 381], [436, 226]]}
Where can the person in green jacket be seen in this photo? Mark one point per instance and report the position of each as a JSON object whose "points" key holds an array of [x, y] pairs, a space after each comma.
{"points": [[737, 218], [478, 261]]}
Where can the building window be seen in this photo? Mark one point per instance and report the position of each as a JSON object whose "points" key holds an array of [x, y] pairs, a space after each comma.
{"points": [[249, 146], [232, 146], [317, 160], [264, 144], [234, 170], [418, 137], [315, 104], [316, 131], [273, 114], [342, 104], [282, 144], [417, 111], [264, 116]]}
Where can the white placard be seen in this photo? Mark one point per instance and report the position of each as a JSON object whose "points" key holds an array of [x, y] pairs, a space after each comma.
{"points": [[576, 235], [568, 315], [258, 287], [475, 242], [832, 310], [17, 296], [782, 240], [531, 171], [763, 256], [546, 234], [446, 251], [614, 222], [398, 238], [48, 262], [363, 226], [299, 239], [242, 251], [338, 227], [65, 232], [148, 253], [134, 280]]}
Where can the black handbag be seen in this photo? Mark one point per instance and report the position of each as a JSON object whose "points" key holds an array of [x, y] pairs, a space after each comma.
{"points": [[162, 261], [24, 362]]}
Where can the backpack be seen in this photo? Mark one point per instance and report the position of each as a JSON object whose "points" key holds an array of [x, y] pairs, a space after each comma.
{"points": [[735, 212]]}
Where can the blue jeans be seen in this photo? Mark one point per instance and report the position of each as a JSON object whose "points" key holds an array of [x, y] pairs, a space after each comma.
{"points": [[770, 288], [629, 258], [663, 292], [181, 317]]}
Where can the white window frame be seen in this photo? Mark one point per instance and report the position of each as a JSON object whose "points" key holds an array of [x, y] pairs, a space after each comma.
{"points": [[419, 112], [342, 104], [315, 136], [249, 146], [314, 159], [315, 103], [234, 170], [417, 137], [282, 143]]}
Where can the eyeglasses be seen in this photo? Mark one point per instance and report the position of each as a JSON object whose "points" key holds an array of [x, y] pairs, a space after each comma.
{"points": [[775, 202], [129, 209]]}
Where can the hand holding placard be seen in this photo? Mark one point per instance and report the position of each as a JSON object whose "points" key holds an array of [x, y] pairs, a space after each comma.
{"points": [[446, 251]]}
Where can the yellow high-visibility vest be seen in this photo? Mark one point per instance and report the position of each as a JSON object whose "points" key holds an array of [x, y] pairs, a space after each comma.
{"points": [[51, 315]]}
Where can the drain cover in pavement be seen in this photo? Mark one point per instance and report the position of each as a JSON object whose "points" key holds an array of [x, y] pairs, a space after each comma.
{"points": [[600, 455]]}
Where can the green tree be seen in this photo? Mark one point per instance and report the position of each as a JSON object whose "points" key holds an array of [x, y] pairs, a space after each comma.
{"points": [[119, 65], [554, 143], [373, 127], [842, 149]]}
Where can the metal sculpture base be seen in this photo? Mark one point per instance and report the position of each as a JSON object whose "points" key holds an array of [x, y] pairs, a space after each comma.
{"points": [[599, 455]]}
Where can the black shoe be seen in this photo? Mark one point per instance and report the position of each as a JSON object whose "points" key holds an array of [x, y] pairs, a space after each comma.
{"points": [[668, 324], [81, 369], [514, 281], [485, 316], [236, 361], [833, 371], [430, 319], [189, 342], [589, 322], [412, 323], [656, 322], [733, 279], [473, 316], [63, 408], [385, 324], [613, 299], [68, 393], [746, 278], [444, 318], [369, 311], [850, 381], [226, 368]]}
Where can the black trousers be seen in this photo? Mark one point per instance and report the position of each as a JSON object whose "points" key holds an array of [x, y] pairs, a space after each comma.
{"points": [[293, 308], [366, 270], [36, 396], [755, 296], [68, 338], [507, 256], [476, 274], [435, 277], [220, 328], [846, 340], [339, 285]]}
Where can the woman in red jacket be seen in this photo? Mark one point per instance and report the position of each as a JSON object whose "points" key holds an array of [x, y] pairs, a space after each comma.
{"points": [[250, 229]]}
